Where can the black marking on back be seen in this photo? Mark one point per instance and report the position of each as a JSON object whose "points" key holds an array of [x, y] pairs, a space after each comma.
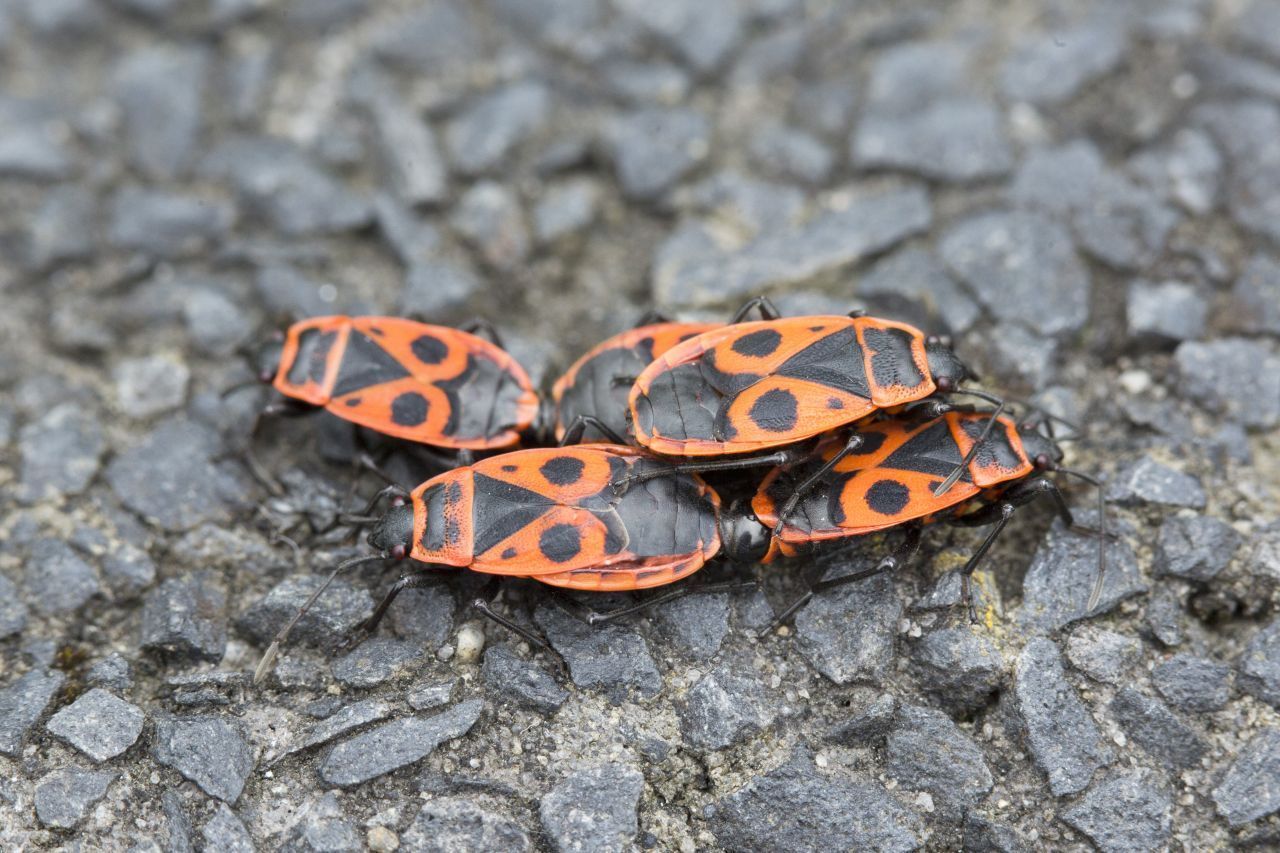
{"points": [[409, 409], [364, 363], [594, 390], [309, 360], [563, 470], [775, 410], [508, 553], [930, 451], [891, 359], [835, 404], [835, 361], [499, 509], [643, 350], [352, 402], [757, 344], [560, 543], [888, 497], [725, 383], [429, 349], [871, 442], [434, 534], [662, 517], [996, 450], [511, 469], [482, 399]]}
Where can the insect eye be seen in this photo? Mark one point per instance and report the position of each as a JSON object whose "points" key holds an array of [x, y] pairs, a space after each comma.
{"points": [[932, 340], [1043, 461], [943, 340], [398, 552], [266, 376], [944, 383], [398, 500]]}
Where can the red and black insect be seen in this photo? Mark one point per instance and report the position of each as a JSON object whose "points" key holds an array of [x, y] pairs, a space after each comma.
{"points": [[891, 479], [752, 386], [553, 514], [428, 384], [596, 385]]}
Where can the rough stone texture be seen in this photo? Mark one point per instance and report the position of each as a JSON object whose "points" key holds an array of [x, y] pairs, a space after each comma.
{"points": [[340, 722], [1256, 296], [376, 660], [1249, 791], [13, 611], [58, 579], [334, 615], [324, 826], [867, 223], [725, 706], [1147, 481], [847, 633], [1233, 377], [926, 751], [1259, 665], [63, 797], [151, 385], [21, 704], [1059, 730], [225, 831], [1195, 547], [959, 667], [1157, 729], [696, 624], [185, 618], [61, 452], [1022, 267], [396, 744], [610, 659], [1128, 811], [1193, 683], [520, 681], [1165, 311], [797, 807], [210, 751], [99, 724], [1103, 655], [457, 823], [593, 809]]}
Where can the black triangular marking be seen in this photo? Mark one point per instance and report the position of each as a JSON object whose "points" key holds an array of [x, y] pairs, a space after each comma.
{"points": [[835, 360], [364, 363], [930, 451], [499, 509]]}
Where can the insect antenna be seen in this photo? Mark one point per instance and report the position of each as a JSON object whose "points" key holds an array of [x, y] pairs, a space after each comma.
{"points": [[1096, 594], [273, 650]]}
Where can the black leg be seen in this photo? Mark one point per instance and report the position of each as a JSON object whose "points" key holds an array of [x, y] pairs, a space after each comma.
{"points": [[279, 409], [1006, 512], [894, 560], [778, 457], [594, 617], [855, 441], [945, 485], [485, 608], [423, 576], [573, 434], [760, 304]]}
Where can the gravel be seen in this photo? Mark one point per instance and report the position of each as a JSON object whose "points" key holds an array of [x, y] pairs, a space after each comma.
{"points": [[185, 619], [1195, 547], [610, 659], [1156, 729], [593, 809], [64, 796], [926, 751], [1248, 790], [397, 744], [1062, 736], [525, 683], [1146, 481], [1193, 683], [209, 750], [1233, 377], [58, 579], [457, 823], [726, 706], [22, 702], [61, 452], [1128, 811], [99, 724]]}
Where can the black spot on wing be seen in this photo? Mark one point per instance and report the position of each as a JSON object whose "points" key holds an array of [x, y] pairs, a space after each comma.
{"points": [[891, 359], [835, 361], [835, 404], [309, 360], [563, 470], [409, 409], [499, 509], [775, 410], [429, 349], [930, 451], [560, 543], [871, 442], [352, 402], [508, 553], [511, 469], [364, 363], [757, 344], [888, 497]]}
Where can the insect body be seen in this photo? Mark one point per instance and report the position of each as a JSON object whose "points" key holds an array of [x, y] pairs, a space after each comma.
{"points": [[596, 385], [890, 480], [553, 514], [429, 384], [751, 386]]}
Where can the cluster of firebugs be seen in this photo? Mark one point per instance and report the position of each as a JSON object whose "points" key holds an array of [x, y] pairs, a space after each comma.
{"points": [[613, 480]]}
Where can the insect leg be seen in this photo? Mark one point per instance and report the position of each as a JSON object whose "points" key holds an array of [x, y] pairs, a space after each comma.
{"points": [[761, 304], [573, 434], [807, 485], [593, 617]]}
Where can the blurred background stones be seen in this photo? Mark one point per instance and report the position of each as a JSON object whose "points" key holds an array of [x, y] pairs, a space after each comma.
{"points": [[1085, 194]]}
